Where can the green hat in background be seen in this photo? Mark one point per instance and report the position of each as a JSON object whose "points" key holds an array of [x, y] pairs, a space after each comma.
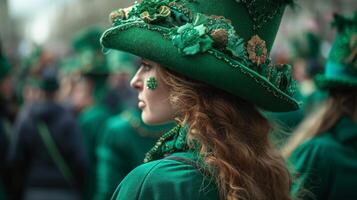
{"points": [[224, 43], [308, 47], [341, 65], [122, 62], [313, 44], [69, 65], [91, 59]]}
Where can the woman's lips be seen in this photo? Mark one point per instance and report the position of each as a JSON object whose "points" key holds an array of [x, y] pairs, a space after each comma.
{"points": [[141, 104]]}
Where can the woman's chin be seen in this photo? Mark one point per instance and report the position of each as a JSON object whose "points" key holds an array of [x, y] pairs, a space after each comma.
{"points": [[152, 121]]}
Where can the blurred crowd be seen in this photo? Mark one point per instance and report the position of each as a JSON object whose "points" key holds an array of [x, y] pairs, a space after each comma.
{"points": [[60, 119], [70, 127]]}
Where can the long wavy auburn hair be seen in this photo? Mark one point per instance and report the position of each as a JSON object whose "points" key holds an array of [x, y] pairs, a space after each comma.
{"points": [[341, 102], [233, 140]]}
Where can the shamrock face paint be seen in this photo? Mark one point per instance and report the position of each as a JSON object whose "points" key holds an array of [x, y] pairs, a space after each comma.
{"points": [[151, 83]]}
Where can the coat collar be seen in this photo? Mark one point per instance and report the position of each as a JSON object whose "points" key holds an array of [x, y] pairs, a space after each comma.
{"points": [[171, 142]]}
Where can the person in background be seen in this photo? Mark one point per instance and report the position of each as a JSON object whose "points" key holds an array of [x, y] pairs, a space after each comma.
{"points": [[26, 90], [323, 150], [122, 67], [125, 138], [69, 75], [205, 66], [307, 63], [47, 158], [90, 97]]}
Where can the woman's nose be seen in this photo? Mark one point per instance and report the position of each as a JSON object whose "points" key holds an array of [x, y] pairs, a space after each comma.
{"points": [[136, 83]]}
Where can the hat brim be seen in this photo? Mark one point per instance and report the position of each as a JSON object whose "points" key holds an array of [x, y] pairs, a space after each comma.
{"points": [[212, 67], [328, 83]]}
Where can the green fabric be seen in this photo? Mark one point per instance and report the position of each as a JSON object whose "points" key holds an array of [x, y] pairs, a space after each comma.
{"points": [[91, 122], [341, 66], [168, 179], [325, 166], [125, 141], [5, 67], [313, 100], [169, 41]]}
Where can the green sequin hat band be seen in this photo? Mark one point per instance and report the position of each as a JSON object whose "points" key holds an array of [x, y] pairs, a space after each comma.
{"points": [[209, 42]]}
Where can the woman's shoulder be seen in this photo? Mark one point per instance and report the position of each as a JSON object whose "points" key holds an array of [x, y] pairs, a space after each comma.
{"points": [[174, 178], [181, 167]]}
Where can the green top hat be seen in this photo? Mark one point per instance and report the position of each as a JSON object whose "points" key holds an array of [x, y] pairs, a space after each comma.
{"points": [[90, 58], [341, 65], [224, 43]]}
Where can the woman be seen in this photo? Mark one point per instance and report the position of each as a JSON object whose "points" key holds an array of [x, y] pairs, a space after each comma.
{"points": [[323, 150], [198, 70]]}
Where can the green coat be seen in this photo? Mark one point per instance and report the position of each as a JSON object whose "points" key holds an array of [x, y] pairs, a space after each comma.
{"points": [[325, 166], [175, 175], [125, 141], [91, 122]]}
